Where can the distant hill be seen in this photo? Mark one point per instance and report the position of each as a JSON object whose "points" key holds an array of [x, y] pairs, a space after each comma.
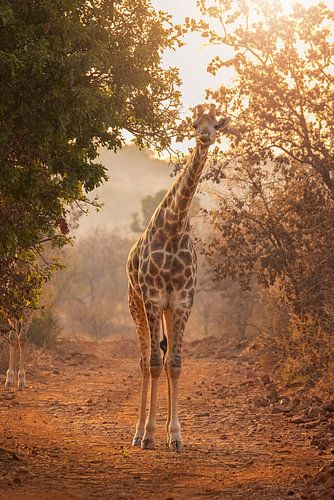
{"points": [[132, 175]]}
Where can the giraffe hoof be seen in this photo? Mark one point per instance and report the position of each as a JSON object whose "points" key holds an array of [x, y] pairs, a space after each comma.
{"points": [[21, 380], [147, 444], [176, 446], [9, 383], [136, 442]]}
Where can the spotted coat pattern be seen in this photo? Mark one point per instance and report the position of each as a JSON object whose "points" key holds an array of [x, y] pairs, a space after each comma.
{"points": [[162, 277]]}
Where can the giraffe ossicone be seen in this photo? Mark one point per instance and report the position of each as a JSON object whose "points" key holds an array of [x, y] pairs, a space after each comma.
{"points": [[161, 270]]}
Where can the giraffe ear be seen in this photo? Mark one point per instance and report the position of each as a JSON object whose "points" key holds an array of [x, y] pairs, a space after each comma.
{"points": [[223, 123], [199, 111], [212, 111]]}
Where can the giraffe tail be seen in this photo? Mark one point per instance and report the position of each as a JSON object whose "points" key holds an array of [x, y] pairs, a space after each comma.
{"points": [[163, 342]]}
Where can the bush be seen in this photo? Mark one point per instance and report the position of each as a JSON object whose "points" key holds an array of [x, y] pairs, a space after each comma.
{"points": [[45, 329], [303, 351]]}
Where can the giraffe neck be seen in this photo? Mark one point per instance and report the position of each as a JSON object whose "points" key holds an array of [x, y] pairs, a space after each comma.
{"points": [[173, 212]]}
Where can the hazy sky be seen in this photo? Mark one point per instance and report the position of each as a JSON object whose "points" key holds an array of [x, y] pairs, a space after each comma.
{"points": [[193, 58], [133, 174]]}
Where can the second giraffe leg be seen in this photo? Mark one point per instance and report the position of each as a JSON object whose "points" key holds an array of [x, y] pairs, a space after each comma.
{"points": [[153, 313], [21, 373], [13, 344]]}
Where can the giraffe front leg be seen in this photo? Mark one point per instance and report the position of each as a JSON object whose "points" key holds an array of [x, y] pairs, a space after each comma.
{"points": [[173, 367], [168, 320], [153, 314], [138, 314], [13, 344], [144, 364]]}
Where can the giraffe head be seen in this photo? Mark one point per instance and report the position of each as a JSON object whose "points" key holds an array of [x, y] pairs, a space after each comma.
{"points": [[207, 125]]}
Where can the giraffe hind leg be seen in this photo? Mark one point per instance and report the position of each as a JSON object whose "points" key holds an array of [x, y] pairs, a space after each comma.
{"points": [[153, 314], [138, 314]]}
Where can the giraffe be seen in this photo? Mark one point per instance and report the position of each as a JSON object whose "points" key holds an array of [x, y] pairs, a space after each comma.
{"points": [[17, 332], [161, 271]]}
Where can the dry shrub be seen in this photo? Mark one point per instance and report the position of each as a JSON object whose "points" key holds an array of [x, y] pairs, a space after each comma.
{"points": [[303, 351], [45, 329]]}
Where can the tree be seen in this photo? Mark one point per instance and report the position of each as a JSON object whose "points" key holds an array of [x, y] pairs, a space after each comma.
{"points": [[274, 213], [74, 75], [148, 204], [282, 92], [90, 296]]}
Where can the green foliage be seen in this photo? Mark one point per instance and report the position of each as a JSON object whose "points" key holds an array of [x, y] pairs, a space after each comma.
{"points": [[45, 329], [73, 75]]}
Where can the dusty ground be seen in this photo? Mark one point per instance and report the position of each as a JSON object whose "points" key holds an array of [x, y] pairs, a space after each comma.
{"points": [[68, 435]]}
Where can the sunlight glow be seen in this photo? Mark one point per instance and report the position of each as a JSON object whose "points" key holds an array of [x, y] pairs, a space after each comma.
{"points": [[193, 59]]}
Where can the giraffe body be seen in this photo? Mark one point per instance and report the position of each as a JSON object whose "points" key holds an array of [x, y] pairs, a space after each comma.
{"points": [[162, 277]]}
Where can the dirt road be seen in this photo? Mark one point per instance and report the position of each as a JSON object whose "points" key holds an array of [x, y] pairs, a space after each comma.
{"points": [[68, 435]]}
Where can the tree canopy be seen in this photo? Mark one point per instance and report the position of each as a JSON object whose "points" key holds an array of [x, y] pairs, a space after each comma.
{"points": [[74, 76], [274, 208], [281, 97]]}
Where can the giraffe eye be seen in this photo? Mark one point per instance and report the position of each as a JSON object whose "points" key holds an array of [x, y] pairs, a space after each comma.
{"points": [[195, 125]]}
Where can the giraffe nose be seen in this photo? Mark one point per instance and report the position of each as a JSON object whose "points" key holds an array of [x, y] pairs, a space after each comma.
{"points": [[205, 133]]}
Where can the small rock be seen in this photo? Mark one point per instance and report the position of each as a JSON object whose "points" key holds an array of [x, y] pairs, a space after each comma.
{"points": [[56, 371], [299, 419], [272, 395], [280, 409], [314, 399], [296, 402], [321, 477], [8, 396], [312, 425], [204, 414], [328, 405], [265, 379], [260, 401], [314, 411]]}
